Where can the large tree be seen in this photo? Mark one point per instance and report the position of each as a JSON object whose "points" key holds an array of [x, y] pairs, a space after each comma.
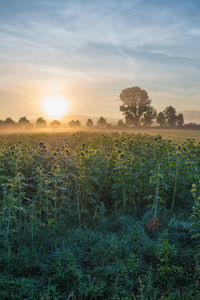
{"points": [[161, 120], [180, 120], [170, 116], [135, 103], [149, 117]]}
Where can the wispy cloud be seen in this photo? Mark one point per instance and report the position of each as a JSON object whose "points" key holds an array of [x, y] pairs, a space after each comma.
{"points": [[95, 42], [195, 32]]}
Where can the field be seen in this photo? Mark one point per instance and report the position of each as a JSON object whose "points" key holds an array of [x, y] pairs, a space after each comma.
{"points": [[177, 135], [100, 215]]}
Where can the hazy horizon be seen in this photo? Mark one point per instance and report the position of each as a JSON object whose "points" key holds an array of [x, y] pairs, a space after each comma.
{"points": [[189, 117], [88, 51]]}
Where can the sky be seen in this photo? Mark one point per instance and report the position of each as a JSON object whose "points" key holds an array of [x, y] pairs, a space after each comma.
{"points": [[88, 51]]}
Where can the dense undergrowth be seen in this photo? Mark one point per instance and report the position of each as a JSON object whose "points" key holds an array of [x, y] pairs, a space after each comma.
{"points": [[74, 216]]}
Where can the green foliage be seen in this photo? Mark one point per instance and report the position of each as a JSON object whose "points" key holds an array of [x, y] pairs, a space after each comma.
{"points": [[170, 115], [196, 212], [195, 226], [180, 120], [161, 120], [166, 269], [149, 116], [73, 215], [169, 118]]}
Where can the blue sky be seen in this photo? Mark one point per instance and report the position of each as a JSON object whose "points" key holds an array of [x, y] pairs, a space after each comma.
{"points": [[88, 51]]}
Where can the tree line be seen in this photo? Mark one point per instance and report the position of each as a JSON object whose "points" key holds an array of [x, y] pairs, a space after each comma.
{"points": [[42, 123], [138, 111], [25, 123]]}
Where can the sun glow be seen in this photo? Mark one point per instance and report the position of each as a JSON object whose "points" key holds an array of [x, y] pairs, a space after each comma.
{"points": [[54, 107]]}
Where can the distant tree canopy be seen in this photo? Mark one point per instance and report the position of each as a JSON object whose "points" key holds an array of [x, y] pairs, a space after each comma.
{"points": [[55, 124], [40, 122], [23, 121], [192, 126], [73, 123], [101, 122], [169, 118], [121, 124], [136, 107], [161, 119], [9, 122], [89, 123], [149, 116], [180, 120]]}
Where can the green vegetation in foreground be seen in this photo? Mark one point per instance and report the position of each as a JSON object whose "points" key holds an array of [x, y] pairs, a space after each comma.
{"points": [[76, 211]]}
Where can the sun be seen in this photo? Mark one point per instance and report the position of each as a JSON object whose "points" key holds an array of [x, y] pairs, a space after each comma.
{"points": [[54, 107]]}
